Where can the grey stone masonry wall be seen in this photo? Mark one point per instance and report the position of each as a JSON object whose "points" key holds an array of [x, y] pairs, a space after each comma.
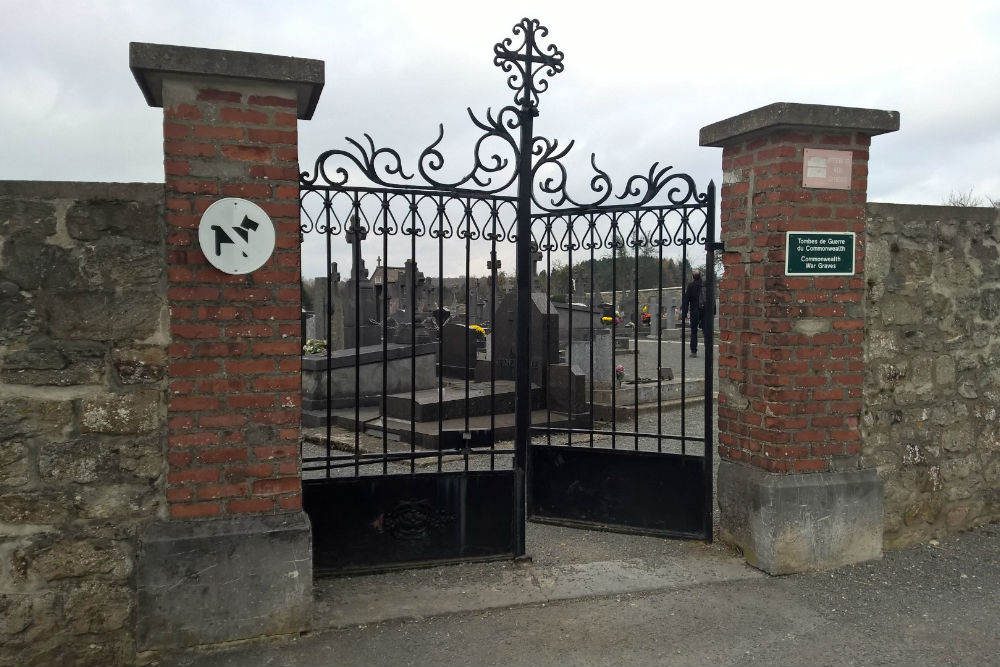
{"points": [[82, 409], [932, 373]]}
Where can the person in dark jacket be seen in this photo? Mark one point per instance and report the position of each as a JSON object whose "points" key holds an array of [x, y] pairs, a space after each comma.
{"points": [[693, 304]]}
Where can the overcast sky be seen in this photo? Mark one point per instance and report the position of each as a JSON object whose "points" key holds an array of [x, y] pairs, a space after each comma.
{"points": [[640, 80]]}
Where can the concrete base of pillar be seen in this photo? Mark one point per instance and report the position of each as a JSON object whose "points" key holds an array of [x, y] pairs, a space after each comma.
{"points": [[204, 582], [796, 523]]}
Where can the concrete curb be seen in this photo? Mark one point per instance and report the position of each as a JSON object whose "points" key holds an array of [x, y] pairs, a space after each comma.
{"points": [[354, 601]]}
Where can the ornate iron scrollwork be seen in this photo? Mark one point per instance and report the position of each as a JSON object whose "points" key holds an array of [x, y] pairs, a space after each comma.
{"points": [[495, 172], [551, 196], [491, 172], [528, 64]]}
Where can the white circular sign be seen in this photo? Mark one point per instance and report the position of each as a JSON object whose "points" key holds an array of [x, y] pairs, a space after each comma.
{"points": [[236, 235]]}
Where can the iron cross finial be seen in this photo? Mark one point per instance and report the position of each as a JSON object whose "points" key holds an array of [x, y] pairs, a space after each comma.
{"points": [[532, 63]]}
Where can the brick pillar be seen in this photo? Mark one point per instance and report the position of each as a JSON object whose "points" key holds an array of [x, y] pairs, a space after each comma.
{"points": [[233, 481], [791, 493]]}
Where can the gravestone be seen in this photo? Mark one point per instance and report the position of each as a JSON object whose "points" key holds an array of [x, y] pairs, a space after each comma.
{"points": [[388, 283], [360, 311], [600, 350], [427, 295], [627, 306], [656, 323], [576, 321], [327, 322], [544, 349], [458, 350], [567, 389], [412, 296], [608, 310]]}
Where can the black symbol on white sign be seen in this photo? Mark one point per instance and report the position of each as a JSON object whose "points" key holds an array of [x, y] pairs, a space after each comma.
{"points": [[243, 231]]}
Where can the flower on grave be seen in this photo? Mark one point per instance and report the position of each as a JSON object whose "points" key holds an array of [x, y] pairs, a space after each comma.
{"points": [[610, 320], [314, 346], [619, 372], [479, 330]]}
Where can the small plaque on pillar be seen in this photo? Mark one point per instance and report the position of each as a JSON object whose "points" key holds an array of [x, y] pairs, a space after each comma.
{"points": [[819, 253], [826, 169]]}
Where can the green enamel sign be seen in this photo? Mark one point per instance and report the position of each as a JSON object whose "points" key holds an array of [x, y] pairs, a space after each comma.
{"points": [[819, 253]]}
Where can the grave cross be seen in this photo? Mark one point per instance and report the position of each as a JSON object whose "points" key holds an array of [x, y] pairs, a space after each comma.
{"points": [[355, 234], [536, 257], [493, 266], [412, 279]]}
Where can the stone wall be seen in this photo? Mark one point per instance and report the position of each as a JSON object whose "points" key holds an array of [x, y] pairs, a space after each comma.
{"points": [[932, 372], [82, 410]]}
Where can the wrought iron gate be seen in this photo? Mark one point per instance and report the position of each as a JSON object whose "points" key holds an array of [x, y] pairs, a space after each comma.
{"points": [[435, 420]]}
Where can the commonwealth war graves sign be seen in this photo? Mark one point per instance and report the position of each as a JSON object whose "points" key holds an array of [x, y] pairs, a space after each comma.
{"points": [[819, 253]]}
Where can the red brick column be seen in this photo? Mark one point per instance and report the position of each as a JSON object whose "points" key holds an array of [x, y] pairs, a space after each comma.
{"points": [[790, 347], [234, 356], [233, 472], [791, 344]]}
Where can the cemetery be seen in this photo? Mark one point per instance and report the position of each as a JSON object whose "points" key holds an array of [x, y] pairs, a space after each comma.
{"points": [[430, 373]]}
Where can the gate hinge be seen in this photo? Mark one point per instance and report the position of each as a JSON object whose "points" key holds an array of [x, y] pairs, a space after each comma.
{"points": [[718, 245]]}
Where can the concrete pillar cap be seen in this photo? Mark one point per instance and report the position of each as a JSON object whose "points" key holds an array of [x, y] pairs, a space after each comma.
{"points": [[792, 116], [152, 63]]}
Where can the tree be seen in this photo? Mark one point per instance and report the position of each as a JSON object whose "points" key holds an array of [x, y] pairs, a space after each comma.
{"points": [[970, 199]]}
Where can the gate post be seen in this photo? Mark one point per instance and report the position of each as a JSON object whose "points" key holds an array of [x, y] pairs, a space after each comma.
{"points": [[233, 558], [792, 493]]}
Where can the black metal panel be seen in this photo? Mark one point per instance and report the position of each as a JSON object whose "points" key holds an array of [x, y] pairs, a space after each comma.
{"points": [[378, 523], [618, 490]]}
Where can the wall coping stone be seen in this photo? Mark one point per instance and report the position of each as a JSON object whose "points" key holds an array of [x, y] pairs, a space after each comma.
{"points": [[931, 212], [793, 116], [152, 63], [81, 190]]}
